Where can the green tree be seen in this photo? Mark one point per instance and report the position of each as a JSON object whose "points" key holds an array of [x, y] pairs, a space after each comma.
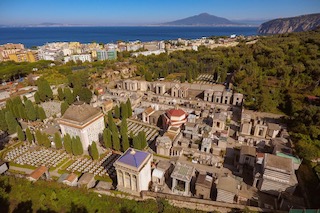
{"points": [[46, 141], [107, 138], [116, 112], [21, 135], [64, 107], [76, 146], [116, 140], [29, 135], [112, 126], [57, 140], [136, 142], [85, 95], [22, 112], [30, 111], [12, 123], [3, 123], [129, 107], [37, 98], [142, 139], [68, 96], [124, 110], [124, 135], [39, 137], [67, 143], [93, 150], [44, 89], [41, 114], [60, 94]]}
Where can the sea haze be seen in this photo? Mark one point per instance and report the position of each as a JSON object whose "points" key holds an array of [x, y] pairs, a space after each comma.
{"points": [[37, 36]]}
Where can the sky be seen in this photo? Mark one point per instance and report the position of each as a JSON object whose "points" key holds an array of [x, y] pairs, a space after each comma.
{"points": [[139, 12]]}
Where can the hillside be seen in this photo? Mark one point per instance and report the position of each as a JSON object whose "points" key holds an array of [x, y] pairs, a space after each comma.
{"points": [[288, 25], [203, 19]]}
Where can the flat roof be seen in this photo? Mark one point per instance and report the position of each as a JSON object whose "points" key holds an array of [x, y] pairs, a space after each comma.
{"points": [[183, 172], [278, 163]]}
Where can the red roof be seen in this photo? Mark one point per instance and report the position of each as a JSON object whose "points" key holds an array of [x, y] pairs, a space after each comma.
{"points": [[176, 112]]}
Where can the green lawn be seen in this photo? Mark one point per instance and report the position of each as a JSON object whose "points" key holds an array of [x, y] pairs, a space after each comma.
{"points": [[20, 195]]}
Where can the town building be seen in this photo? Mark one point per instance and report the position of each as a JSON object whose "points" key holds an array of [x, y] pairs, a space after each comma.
{"points": [[174, 117], [163, 144], [71, 180], [82, 120], [39, 172], [203, 186], [133, 171], [227, 189]]}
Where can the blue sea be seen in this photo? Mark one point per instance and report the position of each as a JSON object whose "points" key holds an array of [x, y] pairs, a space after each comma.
{"points": [[37, 36]]}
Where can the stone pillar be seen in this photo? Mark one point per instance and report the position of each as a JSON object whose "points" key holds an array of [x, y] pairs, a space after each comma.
{"points": [[174, 183], [186, 188]]}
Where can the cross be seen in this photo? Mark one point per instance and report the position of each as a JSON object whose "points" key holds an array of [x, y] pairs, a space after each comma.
{"points": [[78, 98]]}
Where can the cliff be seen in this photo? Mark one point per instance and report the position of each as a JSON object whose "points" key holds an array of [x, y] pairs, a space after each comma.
{"points": [[293, 24]]}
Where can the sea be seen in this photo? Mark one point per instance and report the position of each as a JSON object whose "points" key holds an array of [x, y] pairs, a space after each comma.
{"points": [[38, 36]]}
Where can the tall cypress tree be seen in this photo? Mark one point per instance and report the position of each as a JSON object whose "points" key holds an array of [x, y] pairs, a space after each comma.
{"points": [[30, 111], [124, 135], [64, 107], [115, 140], [29, 135], [57, 140], [12, 123], [41, 114], [116, 112], [46, 140], [136, 142], [3, 123], [68, 95], [143, 139], [93, 150], [37, 98], [22, 112], [60, 94], [129, 108], [107, 138], [124, 110], [39, 137], [112, 126], [67, 143], [21, 135]]}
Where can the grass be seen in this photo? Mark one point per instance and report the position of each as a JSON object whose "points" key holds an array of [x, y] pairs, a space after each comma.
{"points": [[104, 178], [161, 156], [50, 196], [22, 166], [174, 76]]}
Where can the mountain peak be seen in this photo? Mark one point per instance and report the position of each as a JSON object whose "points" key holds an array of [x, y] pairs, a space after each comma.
{"points": [[203, 19]]}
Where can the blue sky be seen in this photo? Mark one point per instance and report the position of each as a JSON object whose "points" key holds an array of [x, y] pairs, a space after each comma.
{"points": [[131, 12]]}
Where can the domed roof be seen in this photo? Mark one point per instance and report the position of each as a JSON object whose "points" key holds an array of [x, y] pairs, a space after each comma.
{"points": [[176, 112]]}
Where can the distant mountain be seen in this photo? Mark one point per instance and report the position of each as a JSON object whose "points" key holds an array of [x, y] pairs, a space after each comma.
{"points": [[293, 24], [203, 19]]}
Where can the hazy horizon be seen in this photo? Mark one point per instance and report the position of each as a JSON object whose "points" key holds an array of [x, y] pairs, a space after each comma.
{"points": [[146, 12]]}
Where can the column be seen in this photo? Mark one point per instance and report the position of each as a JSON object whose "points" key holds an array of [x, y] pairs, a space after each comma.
{"points": [[174, 183], [186, 188]]}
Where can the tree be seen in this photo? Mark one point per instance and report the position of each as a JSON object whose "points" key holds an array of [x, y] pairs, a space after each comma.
{"points": [[124, 110], [41, 114], [12, 123], [142, 139], [85, 95], [39, 137], [21, 135], [116, 112], [44, 89], [64, 107], [60, 94], [3, 123], [46, 141], [69, 98], [37, 98], [76, 146], [107, 138], [136, 142], [129, 108], [93, 150], [30, 111], [67, 143], [22, 112], [124, 135], [112, 126], [29, 135], [115, 140], [58, 140]]}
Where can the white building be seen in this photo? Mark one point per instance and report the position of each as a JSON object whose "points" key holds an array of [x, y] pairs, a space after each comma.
{"points": [[84, 121], [133, 171], [75, 58]]}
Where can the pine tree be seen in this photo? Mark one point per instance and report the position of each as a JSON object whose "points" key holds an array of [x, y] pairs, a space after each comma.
{"points": [[58, 140], [93, 150], [12, 123], [115, 140], [29, 135], [46, 140], [41, 114], [107, 138], [124, 110], [37, 98], [21, 135], [60, 94], [67, 143], [129, 108], [116, 112], [30, 111], [3, 123], [64, 107]]}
